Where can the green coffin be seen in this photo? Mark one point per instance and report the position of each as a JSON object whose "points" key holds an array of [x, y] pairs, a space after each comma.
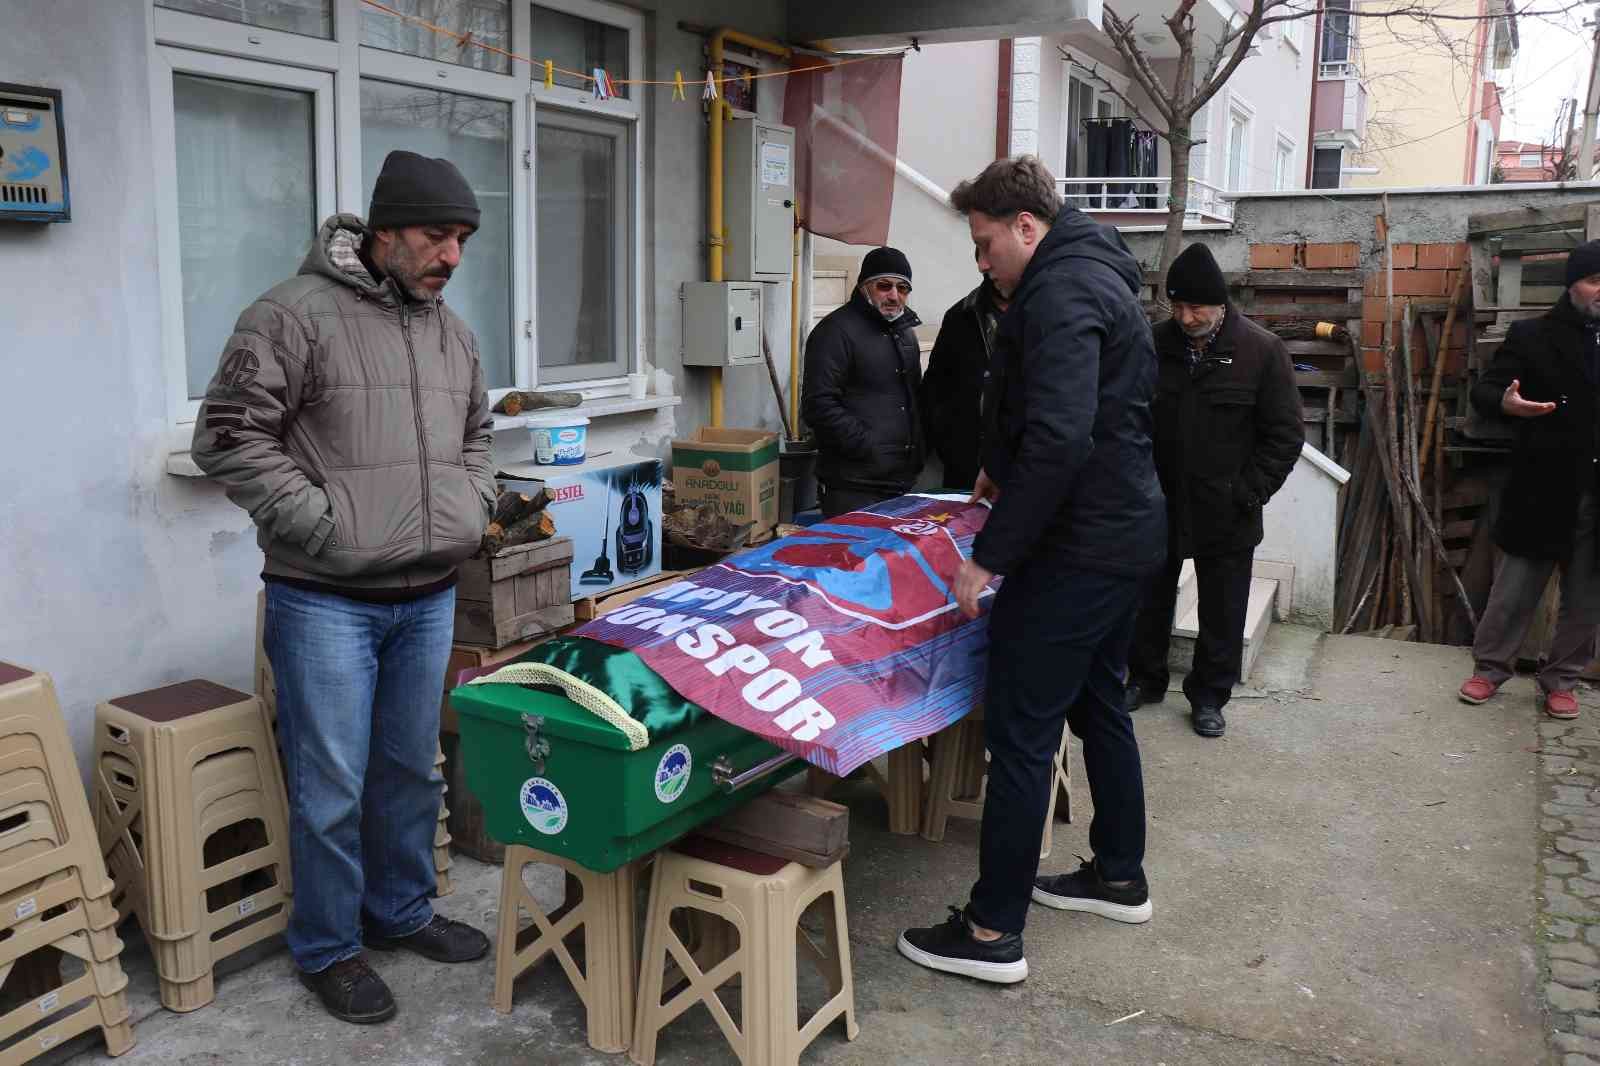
{"points": [[590, 799]]}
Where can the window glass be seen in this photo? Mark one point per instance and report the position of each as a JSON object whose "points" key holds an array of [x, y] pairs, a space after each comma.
{"points": [[581, 215], [246, 203], [475, 135], [1336, 31], [1238, 129], [579, 44], [1325, 166], [314, 18], [488, 21]]}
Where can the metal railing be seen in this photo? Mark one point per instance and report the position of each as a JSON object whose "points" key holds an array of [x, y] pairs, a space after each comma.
{"points": [[1346, 70], [1205, 201]]}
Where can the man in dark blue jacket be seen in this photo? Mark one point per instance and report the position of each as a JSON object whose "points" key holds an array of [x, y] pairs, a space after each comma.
{"points": [[1078, 525]]}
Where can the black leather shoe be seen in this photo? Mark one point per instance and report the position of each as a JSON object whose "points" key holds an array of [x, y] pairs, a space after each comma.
{"points": [[952, 948], [1138, 694], [351, 992], [442, 940], [1208, 721]]}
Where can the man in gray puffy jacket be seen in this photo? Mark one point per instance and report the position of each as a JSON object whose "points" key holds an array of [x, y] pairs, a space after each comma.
{"points": [[348, 417]]}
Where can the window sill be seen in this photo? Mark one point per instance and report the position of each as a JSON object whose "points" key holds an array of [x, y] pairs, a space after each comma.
{"points": [[592, 409]]}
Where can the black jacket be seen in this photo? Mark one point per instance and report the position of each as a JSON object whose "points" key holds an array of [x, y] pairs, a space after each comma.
{"points": [[1553, 459], [1067, 412], [1227, 434], [952, 389], [863, 373]]}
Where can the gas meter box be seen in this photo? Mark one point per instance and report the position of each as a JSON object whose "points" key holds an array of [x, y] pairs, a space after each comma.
{"points": [[758, 205], [721, 323], [33, 155]]}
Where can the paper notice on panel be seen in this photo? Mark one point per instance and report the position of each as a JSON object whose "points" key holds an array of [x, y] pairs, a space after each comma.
{"points": [[775, 164]]}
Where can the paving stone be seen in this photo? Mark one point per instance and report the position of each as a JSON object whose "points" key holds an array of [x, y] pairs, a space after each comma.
{"points": [[1585, 833], [1576, 952], [1562, 998], [1576, 1044], [1571, 845], [1563, 905], [1584, 888], [1575, 796], [1555, 763], [1554, 825], [1573, 974], [1578, 779], [1579, 1060], [1553, 729], [1560, 867], [1588, 1024]]}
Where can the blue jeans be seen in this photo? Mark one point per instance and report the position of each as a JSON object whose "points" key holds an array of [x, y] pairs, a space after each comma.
{"points": [[359, 687]]}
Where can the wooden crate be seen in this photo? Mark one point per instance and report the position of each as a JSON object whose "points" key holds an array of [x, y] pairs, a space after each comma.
{"points": [[521, 593], [591, 607]]}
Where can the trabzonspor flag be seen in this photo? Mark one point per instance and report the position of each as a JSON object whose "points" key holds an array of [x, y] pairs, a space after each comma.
{"points": [[839, 643]]}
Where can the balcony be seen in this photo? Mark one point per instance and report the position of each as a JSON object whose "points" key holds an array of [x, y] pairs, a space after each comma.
{"points": [[1143, 201]]}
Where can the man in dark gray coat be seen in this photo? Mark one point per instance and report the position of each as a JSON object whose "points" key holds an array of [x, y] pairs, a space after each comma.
{"points": [[348, 417]]}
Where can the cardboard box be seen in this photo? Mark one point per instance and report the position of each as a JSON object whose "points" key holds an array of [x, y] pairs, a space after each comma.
{"points": [[736, 469], [611, 513]]}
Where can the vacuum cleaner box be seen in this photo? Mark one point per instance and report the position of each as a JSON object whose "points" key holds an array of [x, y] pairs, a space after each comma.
{"points": [[736, 469], [611, 513]]}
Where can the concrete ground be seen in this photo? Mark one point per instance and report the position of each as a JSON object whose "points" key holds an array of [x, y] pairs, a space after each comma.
{"points": [[1348, 877]]}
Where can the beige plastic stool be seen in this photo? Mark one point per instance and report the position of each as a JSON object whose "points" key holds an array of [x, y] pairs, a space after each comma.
{"points": [[903, 787], [175, 768], [267, 689], [606, 914], [957, 782], [763, 898]]}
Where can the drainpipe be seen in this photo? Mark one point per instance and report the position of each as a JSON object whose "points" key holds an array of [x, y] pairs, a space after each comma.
{"points": [[722, 111], [1311, 118], [794, 335]]}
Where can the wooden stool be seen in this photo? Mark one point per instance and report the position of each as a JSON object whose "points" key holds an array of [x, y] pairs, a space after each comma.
{"points": [[193, 820], [763, 898], [606, 916], [902, 788], [960, 773]]}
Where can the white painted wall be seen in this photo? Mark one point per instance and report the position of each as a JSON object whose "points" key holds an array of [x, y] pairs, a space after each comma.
{"points": [[1302, 524], [116, 576]]}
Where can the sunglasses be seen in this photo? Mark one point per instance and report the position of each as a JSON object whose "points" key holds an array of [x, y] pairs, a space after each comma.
{"points": [[884, 287]]}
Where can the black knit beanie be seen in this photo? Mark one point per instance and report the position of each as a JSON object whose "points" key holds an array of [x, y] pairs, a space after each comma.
{"points": [[1583, 261], [413, 190], [885, 263], [1195, 278]]}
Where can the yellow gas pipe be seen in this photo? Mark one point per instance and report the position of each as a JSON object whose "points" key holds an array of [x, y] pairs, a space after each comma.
{"points": [[716, 239]]}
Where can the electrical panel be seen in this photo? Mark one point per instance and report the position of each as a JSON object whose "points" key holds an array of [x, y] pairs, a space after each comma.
{"points": [[721, 323], [33, 155], [758, 164]]}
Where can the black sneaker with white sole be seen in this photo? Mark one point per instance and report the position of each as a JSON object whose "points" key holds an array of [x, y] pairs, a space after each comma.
{"points": [[952, 948], [1084, 890]]}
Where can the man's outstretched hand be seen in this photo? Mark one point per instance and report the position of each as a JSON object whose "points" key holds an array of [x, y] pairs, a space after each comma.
{"points": [[1514, 405], [971, 580], [985, 490]]}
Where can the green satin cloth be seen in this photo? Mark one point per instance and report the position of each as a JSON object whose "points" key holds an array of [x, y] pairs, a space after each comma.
{"points": [[624, 677]]}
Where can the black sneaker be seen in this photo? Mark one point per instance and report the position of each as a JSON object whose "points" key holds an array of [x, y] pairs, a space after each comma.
{"points": [[1208, 721], [352, 992], [1085, 891], [442, 940], [1138, 694], [951, 947]]}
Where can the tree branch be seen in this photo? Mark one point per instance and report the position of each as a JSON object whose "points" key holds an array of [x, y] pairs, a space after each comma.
{"points": [[1094, 72]]}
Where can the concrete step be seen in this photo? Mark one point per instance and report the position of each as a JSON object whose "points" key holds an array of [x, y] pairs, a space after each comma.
{"points": [[1257, 619]]}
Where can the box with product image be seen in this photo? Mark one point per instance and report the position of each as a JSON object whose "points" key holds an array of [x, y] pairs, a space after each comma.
{"points": [[736, 469], [612, 514]]}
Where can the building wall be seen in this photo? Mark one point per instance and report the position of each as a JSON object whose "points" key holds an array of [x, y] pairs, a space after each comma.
{"points": [[1424, 99], [117, 576]]}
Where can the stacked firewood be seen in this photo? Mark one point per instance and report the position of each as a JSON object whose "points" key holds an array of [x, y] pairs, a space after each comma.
{"points": [[519, 518]]}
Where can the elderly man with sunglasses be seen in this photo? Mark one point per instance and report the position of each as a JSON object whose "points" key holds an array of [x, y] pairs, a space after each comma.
{"points": [[863, 375]]}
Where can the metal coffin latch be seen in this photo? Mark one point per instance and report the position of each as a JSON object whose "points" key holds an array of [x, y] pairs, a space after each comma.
{"points": [[538, 746]]}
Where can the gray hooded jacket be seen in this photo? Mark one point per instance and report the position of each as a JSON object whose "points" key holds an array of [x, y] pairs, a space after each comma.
{"points": [[353, 425]]}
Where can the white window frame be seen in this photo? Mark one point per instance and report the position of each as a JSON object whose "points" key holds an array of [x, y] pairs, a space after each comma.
{"points": [[1283, 142], [1096, 82], [165, 62], [333, 70], [1327, 146], [616, 111], [1237, 108]]}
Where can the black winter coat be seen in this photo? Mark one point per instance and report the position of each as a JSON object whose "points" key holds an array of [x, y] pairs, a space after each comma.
{"points": [[1553, 459], [863, 374], [952, 389], [1227, 434], [1067, 413]]}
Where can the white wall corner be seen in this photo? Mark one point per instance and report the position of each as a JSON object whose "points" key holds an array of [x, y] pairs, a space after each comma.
{"points": [[1024, 142], [1025, 116], [1025, 55], [1024, 87]]}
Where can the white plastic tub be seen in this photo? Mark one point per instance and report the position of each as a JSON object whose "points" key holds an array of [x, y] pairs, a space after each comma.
{"points": [[559, 439]]}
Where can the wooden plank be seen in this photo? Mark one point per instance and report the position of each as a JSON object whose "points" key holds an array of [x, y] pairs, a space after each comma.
{"points": [[1462, 529], [1540, 243], [1322, 379], [591, 607], [796, 821], [1527, 218], [1591, 223], [536, 624], [1281, 279], [1331, 349], [1482, 273], [524, 557], [1329, 312]]}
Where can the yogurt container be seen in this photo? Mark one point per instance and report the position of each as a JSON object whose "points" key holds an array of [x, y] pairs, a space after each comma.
{"points": [[558, 439]]}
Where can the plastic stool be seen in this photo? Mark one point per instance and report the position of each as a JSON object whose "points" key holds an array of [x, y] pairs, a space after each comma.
{"points": [[960, 772], [606, 914], [903, 787], [763, 898], [177, 769]]}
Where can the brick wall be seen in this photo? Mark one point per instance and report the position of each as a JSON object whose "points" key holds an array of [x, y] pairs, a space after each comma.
{"points": [[1426, 275]]}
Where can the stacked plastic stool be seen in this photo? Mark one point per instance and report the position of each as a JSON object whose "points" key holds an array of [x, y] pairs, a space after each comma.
{"points": [[56, 909], [956, 782], [763, 898], [193, 825], [266, 688]]}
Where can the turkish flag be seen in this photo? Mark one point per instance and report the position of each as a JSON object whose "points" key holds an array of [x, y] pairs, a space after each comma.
{"points": [[846, 118]]}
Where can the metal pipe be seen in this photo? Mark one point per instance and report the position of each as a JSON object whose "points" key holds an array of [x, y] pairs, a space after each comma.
{"points": [[720, 112], [730, 780], [794, 337]]}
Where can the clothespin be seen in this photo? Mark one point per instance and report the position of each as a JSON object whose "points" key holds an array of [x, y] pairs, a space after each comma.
{"points": [[549, 74], [677, 86], [710, 92], [611, 86], [602, 84]]}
